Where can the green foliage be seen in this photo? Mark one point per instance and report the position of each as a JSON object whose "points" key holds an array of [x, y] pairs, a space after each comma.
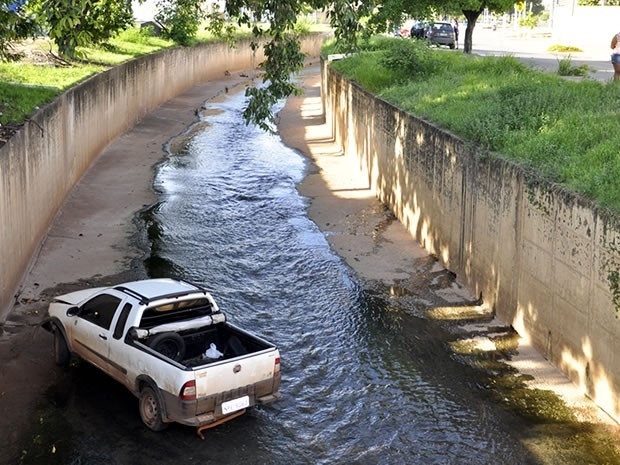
{"points": [[18, 102], [344, 18], [81, 23], [529, 20], [613, 278], [565, 130], [376, 80], [407, 58], [284, 57], [303, 25], [139, 35], [566, 68], [180, 19], [15, 26], [220, 27], [281, 46]]}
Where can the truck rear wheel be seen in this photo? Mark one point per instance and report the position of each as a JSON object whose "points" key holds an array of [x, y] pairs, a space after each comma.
{"points": [[62, 356], [150, 410]]}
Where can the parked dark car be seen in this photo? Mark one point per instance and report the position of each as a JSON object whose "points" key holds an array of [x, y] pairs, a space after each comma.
{"points": [[441, 33], [418, 31]]}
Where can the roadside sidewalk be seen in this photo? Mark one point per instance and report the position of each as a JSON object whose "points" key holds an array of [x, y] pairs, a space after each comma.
{"points": [[534, 50]]}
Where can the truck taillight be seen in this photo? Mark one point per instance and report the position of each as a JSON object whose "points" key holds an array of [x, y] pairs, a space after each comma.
{"points": [[188, 391], [276, 366]]}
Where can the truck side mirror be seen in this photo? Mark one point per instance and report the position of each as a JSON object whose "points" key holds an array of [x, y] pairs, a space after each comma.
{"points": [[72, 311]]}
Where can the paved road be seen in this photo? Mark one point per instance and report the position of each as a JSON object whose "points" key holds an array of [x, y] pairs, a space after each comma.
{"points": [[533, 48]]}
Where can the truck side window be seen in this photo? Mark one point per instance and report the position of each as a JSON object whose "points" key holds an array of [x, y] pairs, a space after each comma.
{"points": [[122, 319], [100, 310]]}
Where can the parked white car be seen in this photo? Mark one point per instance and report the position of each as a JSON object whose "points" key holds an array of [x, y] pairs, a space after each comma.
{"points": [[168, 343]]}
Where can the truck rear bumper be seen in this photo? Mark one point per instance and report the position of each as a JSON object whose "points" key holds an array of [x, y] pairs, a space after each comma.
{"points": [[181, 411]]}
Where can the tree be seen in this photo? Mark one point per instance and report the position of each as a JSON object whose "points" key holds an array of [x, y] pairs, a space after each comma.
{"points": [[79, 23], [283, 55], [273, 27], [16, 25], [393, 10], [272, 23], [472, 9], [180, 19], [75, 23]]}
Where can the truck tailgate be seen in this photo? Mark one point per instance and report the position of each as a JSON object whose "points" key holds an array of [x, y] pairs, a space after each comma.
{"points": [[233, 374]]}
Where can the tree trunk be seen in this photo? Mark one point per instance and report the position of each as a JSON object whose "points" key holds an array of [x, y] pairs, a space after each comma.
{"points": [[472, 17]]}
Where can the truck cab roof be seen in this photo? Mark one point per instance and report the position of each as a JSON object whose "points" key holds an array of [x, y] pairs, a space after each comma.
{"points": [[150, 290]]}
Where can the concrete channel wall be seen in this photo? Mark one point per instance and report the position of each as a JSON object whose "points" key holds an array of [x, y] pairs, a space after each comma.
{"points": [[42, 162], [540, 257]]}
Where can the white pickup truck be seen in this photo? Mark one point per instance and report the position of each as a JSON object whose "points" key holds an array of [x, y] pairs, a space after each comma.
{"points": [[169, 344]]}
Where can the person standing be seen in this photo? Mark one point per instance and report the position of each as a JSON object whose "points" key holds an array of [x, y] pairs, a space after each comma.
{"points": [[456, 33], [615, 55]]}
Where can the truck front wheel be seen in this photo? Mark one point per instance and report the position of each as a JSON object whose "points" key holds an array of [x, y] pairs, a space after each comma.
{"points": [[61, 351], [150, 410]]}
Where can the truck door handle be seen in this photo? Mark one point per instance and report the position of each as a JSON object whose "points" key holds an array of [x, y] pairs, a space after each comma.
{"points": [[103, 336]]}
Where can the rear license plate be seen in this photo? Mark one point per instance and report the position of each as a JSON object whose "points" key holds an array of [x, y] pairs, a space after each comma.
{"points": [[235, 404]]}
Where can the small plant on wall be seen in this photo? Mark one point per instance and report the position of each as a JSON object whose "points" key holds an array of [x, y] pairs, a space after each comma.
{"points": [[614, 286], [612, 267]]}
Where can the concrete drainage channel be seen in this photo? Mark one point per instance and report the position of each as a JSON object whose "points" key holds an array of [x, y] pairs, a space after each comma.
{"points": [[357, 349]]}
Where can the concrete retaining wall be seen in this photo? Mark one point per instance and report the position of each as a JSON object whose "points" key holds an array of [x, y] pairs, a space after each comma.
{"points": [[539, 256], [40, 164]]}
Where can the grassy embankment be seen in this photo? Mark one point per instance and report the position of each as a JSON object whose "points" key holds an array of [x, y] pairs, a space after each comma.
{"points": [[567, 131], [39, 78]]}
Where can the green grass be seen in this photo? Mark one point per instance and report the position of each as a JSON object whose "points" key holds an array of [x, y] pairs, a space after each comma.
{"points": [[51, 77], [128, 45], [565, 130], [28, 84], [24, 87], [18, 102], [566, 68]]}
